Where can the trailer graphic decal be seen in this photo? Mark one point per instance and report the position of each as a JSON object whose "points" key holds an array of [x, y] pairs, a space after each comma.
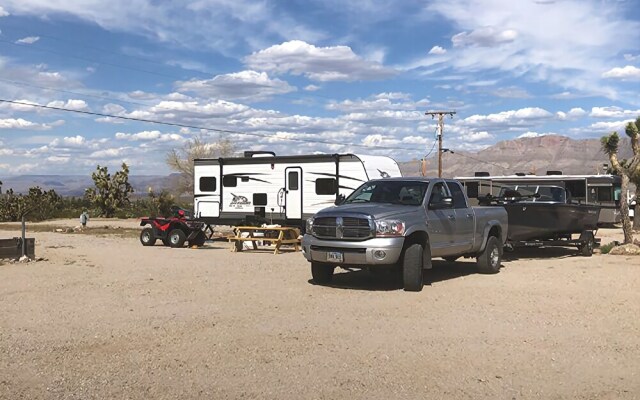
{"points": [[239, 201]]}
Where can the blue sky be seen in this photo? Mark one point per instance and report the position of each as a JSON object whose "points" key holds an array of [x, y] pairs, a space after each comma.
{"points": [[302, 77]]}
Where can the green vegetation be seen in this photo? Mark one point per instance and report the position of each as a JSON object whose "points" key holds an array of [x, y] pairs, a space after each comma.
{"points": [[629, 171], [111, 193], [606, 248], [36, 205]]}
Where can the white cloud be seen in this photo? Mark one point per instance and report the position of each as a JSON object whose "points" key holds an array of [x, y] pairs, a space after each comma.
{"points": [[248, 85], [522, 117], [110, 153], [70, 104], [437, 50], [148, 136], [567, 44], [19, 123], [28, 40], [3, 13], [628, 72], [607, 127], [58, 159], [336, 63], [512, 92], [612, 112], [485, 36], [478, 136], [311, 88], [631, 57]]}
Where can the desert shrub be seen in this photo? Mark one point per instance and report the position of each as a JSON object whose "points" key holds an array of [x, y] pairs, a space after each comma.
{"points": [[606, 248]]}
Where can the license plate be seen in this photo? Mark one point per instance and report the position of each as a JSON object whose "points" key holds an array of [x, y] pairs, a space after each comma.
{"points": [[334, 256]]}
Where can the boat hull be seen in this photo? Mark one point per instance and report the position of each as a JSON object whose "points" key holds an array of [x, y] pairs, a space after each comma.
{"points": [[544, 221]]}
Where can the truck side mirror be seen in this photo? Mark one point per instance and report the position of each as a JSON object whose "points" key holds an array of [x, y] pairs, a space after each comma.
{"points": [[339, 199], [446, 202]]}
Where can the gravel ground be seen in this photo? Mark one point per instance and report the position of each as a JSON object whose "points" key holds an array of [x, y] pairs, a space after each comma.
{"points": [[103, 317]]}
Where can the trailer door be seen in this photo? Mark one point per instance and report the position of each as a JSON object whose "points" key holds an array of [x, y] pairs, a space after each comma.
{"points": [[293, 192]]}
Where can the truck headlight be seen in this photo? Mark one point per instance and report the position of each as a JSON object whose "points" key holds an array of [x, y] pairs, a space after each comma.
{"points": [[309, 225], [389, 228]]}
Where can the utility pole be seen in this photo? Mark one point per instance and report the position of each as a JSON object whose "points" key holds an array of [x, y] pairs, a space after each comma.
{"points": [[440, 115]]}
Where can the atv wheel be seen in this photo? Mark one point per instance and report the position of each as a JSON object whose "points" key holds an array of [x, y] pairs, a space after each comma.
{"points": [[490, 259], [176, 238], [147, 238]]}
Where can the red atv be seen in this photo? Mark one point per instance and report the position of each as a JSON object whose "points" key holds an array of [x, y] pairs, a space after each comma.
{"points": [[173, 231]]}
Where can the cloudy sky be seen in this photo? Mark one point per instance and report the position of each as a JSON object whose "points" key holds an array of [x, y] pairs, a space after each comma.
{"points": [[305, 76]]}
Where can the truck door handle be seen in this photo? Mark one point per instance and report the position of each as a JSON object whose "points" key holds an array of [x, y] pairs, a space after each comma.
{"points": [[469, 215], [452, 217]]}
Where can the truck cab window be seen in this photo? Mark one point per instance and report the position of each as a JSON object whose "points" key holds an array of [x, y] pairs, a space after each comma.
{"points": [[458, 196]]}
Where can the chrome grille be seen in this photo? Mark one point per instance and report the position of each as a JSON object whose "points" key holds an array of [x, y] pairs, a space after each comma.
{"points": [[356, 228]]}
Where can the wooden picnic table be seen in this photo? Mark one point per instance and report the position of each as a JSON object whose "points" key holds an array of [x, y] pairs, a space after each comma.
{"points": [[286, 235]]}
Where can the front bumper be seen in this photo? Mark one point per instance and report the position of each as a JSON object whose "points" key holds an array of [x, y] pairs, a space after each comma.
{"points": [[365, 253]]}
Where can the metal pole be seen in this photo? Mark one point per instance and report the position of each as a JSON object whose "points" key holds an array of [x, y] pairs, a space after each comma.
{"points": [[440, 127], [24, 236]]}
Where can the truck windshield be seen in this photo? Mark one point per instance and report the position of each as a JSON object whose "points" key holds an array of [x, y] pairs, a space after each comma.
{"points": [[410, 193]]}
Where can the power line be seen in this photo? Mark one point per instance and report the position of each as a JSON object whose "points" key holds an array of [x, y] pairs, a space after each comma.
{"points": [[175, 124]]}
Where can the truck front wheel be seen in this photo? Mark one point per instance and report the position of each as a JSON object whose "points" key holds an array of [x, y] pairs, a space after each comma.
{"points": [[490, 259], [412, 268], [321, 273]]}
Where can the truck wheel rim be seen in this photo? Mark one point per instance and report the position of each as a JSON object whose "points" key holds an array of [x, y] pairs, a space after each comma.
{"points": [[495, 257]]}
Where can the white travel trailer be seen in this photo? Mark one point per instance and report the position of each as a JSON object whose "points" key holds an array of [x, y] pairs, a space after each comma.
{"points": [[262, 187]]}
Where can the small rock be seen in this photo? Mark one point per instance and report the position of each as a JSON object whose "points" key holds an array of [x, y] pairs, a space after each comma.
{"points": [[59, 230], [24, 259]]}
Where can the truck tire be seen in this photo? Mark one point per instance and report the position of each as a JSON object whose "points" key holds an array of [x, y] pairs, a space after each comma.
{"points": [[176, 238], [412, 271], [588, 243], [490, 259], [321, 273], [147, 238]]}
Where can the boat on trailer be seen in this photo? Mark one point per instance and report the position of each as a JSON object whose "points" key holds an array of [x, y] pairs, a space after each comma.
{"points": [[543, 215]]}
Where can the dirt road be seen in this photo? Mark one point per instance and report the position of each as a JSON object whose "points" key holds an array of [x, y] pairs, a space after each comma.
{"points": [[104, 317]]}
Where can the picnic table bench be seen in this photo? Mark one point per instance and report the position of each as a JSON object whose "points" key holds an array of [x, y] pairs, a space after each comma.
{"points": [[285, 235]]}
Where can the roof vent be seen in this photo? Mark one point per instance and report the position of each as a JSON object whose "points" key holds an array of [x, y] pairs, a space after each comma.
{"points": [[554, 172], [481, 173], [259, 154]]}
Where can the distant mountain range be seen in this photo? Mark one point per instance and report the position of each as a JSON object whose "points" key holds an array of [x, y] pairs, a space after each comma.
{"points": [[537, 155]]}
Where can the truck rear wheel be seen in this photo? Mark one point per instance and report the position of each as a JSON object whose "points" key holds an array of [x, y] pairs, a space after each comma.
{"points": [[147, 238], [412, 268], [490, 259], [322, 273], [177, 238]]}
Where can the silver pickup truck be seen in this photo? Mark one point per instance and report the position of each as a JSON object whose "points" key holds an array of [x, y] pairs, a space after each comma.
{"points": [[404, 222]]}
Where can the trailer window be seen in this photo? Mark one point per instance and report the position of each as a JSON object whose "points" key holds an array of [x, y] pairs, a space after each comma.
{"points": [[229, 181], [325, 186], [259, 199], [604, 193], [293, 180], [472, 189], [208, 184]]}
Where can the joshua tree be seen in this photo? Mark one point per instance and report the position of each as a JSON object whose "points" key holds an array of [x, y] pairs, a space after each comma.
{"points": [[111, 193], [627, 170]]}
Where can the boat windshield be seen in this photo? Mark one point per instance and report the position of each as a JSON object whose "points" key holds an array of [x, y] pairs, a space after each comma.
{"points": [[534, 193], [410, 193]]}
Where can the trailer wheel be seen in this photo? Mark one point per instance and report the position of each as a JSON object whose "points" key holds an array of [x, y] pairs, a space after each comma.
{"points": [[147, 238], [198, 240], [588, 243], [321, 273], [489, 260], [176, 238], [412, 271]]}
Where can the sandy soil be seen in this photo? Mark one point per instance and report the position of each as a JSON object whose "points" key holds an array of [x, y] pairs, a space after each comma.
{"points": [[103, 317]]}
